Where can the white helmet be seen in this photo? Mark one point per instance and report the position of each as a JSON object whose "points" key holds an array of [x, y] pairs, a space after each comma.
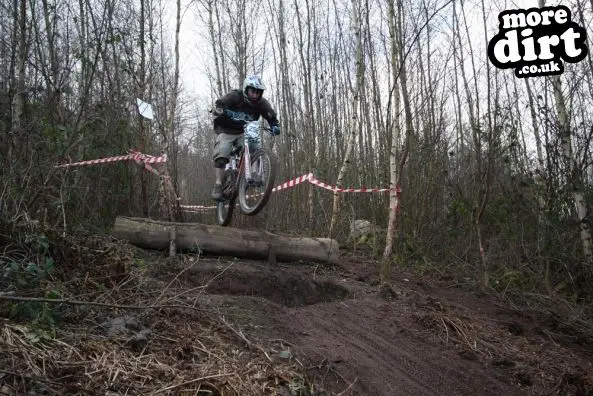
{"points": [[254, 82]]}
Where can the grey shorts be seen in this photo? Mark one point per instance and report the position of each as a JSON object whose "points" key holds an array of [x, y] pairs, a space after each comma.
{"points": [[223, 145]]}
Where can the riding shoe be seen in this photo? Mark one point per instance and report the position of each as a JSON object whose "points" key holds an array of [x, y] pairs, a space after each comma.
{"points": [[217, 192]]}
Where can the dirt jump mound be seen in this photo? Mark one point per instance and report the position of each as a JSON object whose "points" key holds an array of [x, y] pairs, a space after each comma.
{"points": [[257, 280]]}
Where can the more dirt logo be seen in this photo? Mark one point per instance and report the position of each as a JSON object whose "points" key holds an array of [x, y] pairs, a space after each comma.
{"points": [[535, 41]]}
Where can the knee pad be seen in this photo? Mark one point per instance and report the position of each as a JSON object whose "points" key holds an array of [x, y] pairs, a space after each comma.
{"points": [[220, 163]]}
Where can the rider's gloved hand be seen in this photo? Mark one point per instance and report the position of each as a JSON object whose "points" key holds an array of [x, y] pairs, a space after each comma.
{"points": [[217, 111], [276, 130]]}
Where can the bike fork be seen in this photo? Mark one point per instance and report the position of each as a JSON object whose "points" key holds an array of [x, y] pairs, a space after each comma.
{"points": [[247, 162]]}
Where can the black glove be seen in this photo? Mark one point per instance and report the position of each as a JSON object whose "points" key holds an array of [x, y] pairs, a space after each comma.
{"points": [[217, 111]]}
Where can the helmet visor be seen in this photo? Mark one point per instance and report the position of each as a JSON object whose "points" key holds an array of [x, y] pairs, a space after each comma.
{"points": [[254, 94]]}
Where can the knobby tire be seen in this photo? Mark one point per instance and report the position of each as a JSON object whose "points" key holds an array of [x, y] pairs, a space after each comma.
{"points": [[269, 183], [223, 219]]}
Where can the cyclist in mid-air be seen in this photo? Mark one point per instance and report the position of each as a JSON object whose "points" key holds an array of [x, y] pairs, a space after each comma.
{"points": [[232, 111]]}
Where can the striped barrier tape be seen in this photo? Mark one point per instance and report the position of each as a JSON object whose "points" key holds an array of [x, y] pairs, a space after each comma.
{"points": [[134, 156], [192, 208], [145, 159], [301, 179], [293, 182], [283, 186], [326, 186]]}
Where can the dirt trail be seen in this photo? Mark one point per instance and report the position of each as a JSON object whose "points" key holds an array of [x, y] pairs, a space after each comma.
{"points": [[412, 339], [238, 327], [366, 341]]}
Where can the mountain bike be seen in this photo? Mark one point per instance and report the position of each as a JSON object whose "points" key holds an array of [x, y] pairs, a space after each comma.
{"points": [[247, 170]]}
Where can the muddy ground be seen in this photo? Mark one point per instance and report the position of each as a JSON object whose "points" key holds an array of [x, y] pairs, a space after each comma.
{"points": [[418, 336], [225, 326]]}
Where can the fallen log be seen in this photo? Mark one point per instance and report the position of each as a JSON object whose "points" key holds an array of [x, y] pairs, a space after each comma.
{"points": [[225, 241]]}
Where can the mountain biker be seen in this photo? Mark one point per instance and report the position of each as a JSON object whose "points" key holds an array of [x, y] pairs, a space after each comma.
{"points": [[232, 110]]}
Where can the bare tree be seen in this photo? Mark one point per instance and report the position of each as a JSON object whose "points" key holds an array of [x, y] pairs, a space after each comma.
{"points": [[356, 112], [574, 177], [394, 160], [18, 100]]}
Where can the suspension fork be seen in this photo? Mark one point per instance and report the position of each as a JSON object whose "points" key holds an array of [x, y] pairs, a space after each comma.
{"points": [[240, 166], [247, 160]]}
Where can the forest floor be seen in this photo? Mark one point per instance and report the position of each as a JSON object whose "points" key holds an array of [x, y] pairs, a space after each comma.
{"points": [[204, 325]]}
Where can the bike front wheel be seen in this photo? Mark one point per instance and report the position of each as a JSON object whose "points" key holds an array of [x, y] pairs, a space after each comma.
{"points": [[254, 194]]}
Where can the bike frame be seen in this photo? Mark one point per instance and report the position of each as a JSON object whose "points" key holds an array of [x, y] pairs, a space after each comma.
{"points": [[241, 168], [244, 158]]}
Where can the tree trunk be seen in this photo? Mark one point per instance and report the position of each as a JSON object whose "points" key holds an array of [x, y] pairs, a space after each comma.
{"points": [[574, 178], [174, 210], [223, 60], [539, 180], [572, 171], [53, 82], [357, 100], [536, 133], [218, 83], [154, 234], [393, 158], [19, 93], [141, 93], [307, 93]]}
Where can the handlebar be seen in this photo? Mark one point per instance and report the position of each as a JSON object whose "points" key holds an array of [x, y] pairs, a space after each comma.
{"points": [[242, 120]]}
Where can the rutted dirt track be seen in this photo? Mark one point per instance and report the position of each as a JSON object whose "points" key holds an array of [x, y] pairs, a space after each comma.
{"points": [[374, 348], [224, 326], [414, 338]]}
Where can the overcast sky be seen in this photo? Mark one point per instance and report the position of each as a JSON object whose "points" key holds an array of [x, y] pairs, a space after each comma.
{"points": [[195, 50]]}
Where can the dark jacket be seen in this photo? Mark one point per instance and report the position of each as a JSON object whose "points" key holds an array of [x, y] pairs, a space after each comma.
{"points": [[235, 101]]}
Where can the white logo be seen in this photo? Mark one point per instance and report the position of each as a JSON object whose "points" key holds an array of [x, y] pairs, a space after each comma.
{"points": [[535, 41]]}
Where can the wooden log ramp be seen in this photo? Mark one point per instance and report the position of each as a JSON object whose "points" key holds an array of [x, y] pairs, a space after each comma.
{"points": [[224, 241]]}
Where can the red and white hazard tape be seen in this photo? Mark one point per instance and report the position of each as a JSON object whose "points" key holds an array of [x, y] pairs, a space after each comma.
{"points": [[321, 184], [192, 208], [311, 179], [135, 156], [301, 179], [145, 159], [293, 182], [283, 186]]}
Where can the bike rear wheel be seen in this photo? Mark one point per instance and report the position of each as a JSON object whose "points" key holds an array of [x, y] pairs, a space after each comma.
{"points": [[264, 176], [226, 205]]}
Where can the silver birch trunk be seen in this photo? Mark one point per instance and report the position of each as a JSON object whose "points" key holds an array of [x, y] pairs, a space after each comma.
{"points": [[351, 137], [573, 175], [393, 158]]}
